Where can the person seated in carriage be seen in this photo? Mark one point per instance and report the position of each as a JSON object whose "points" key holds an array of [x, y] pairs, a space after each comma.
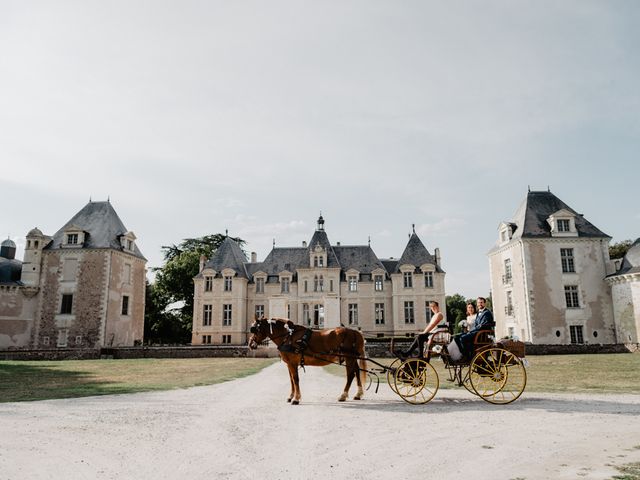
{"points": [[421, 338], [483, 322]]}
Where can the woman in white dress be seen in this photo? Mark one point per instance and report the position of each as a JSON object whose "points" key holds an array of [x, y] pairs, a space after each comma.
{"points": [[471, 316]]}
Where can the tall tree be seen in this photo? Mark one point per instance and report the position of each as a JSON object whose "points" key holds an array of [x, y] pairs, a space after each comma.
{"points": [[619, 250], [171, 296], [456, 310]]}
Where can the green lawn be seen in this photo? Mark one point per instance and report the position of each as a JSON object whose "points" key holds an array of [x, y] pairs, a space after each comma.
{"points": [[606, 373], [38, 380]]}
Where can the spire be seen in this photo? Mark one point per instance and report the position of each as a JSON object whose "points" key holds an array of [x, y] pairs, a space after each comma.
{"points": [[320, 223]]}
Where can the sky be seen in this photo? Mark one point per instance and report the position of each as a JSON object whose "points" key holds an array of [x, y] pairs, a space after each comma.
{"points": [[194, 117]]}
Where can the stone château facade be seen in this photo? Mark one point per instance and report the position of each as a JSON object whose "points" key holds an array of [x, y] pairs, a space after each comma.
{"points": [[84, 287], [318, 285], [548, 272], [625, 292]]}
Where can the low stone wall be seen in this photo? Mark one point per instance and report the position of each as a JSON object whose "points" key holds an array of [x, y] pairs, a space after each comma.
{"points": [[376, 348]]}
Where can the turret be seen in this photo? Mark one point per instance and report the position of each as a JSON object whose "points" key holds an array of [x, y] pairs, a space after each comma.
{"points": [[36, 241]]}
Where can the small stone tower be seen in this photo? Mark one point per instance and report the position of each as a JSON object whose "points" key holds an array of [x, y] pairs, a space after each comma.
{"points": [[32, 264]]}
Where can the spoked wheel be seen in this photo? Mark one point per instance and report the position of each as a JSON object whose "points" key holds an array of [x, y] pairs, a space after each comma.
{"points": [[391, 371], [497, 376], [416, 381]]}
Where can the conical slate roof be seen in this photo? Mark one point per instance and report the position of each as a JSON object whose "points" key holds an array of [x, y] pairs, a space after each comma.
{"points": [[531, 217], [415, 253], [103, 225], [228, 255], [320, 238]]}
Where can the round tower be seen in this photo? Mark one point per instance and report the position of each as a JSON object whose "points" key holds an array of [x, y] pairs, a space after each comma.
{"points": [[8, 249], [36, 241]]}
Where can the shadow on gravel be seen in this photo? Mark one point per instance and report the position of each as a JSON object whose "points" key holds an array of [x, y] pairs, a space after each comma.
{"points": [[474, 404]]}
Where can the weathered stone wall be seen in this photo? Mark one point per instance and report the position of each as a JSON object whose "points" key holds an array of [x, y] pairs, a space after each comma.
{"points": [[89, 310], [49, 302], [17, 313], [625, 293], [126, 278]]}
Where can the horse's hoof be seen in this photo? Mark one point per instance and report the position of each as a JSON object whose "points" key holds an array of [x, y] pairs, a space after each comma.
{"points": [[295, 402], [342, 398], [357, 398]]}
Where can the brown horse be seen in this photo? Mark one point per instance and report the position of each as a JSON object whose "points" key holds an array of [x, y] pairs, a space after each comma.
{"points": [[301, 346]]}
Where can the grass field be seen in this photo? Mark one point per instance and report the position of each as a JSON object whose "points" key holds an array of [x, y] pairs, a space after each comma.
{"points": [[31, 380], [614, 373]]}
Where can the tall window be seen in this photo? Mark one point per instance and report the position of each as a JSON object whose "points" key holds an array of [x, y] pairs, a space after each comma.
{"points": [[306, 287], [318, 316], [353, 314], [408, 280], [508, 309], [408, 313], [306, 318], [576, 334], [207, 312], [508, 274], [125, 305], [226, 314], [428, 279], [284, 285], [259, 285], [321, 283], [315, 283], [571, 296], [228, 283], [566, 257], [208, 283], [321, 261], [379, 282], [259, 311], [315, 261], [563, 225], [379, 313], [331, 285], [226, 339], [66, 307], [353, 283]]}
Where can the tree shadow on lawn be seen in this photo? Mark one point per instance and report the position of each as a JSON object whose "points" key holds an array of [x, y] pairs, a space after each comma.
{"points": [[476, 404], [27, 382]]}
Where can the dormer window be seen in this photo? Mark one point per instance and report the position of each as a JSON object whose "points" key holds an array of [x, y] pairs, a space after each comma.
{"points": [[563, 224], [74, 236]]}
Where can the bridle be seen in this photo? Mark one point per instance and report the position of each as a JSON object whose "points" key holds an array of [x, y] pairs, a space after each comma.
{"points": [[258, 325]]}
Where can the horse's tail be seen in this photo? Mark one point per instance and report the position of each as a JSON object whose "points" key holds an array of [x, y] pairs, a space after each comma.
{"points": [[363, 359]]}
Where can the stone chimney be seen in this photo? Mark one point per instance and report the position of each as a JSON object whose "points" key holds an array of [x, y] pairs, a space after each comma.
{"points": [[254, 257], [203, 260], [437, 254]]}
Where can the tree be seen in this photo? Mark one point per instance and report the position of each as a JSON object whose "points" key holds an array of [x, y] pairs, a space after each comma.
{"points": [[456, 310], [619, 250], [170, 298]]}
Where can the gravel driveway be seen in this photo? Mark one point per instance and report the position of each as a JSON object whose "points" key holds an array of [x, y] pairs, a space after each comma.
{"points": [[245, 430]]}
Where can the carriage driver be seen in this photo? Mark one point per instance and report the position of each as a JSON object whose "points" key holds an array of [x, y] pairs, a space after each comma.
{"points": [[419, 341]]}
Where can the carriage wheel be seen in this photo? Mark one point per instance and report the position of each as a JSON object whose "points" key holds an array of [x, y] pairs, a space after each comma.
{"points": [[391, 371], [416, 381], [497, 376]]}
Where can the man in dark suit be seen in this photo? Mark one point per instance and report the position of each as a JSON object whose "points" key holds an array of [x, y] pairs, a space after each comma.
{"points": [[484, 321]]}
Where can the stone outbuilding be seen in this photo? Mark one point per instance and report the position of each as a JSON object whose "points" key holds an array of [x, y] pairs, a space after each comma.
{"points": [[83, 287]]}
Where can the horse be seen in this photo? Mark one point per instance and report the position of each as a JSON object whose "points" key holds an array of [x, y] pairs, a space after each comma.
{"points": [[300, 346]]}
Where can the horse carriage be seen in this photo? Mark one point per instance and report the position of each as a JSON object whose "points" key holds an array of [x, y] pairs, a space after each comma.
{"points": [[496, 372]]}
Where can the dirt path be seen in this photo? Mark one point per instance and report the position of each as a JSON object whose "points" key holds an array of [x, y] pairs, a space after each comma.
{"points": [[245, 430]]}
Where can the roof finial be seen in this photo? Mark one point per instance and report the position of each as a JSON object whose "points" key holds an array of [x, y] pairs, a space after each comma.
{"points": [[226, 232], [89, 198], [274, 242], [369, 240], [413, 226], [108, 198], [548, 189], [528, 188]]}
